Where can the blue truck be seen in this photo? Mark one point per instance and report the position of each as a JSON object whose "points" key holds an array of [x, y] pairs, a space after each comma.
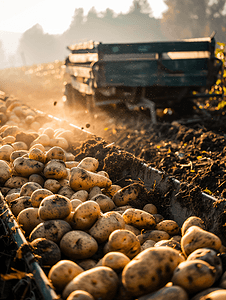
{"points": [[148, 75]]}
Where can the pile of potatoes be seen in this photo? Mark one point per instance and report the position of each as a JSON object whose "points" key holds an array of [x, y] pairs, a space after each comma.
{"points": [[92, 243]]}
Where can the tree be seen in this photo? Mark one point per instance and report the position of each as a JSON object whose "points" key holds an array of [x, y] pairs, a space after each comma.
{"points": [[192, 18]]}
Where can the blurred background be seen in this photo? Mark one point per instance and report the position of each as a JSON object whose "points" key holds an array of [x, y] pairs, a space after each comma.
{"points": [[38, 31]]}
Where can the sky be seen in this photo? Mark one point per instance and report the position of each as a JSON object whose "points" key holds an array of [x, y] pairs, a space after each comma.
{"points": [[55, 15]]}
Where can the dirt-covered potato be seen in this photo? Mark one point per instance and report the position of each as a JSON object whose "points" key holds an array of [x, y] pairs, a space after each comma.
{"points": [[158, 218], [28, 218], [96, 190], [211, 294], [210, 256], [17, 153], [169, 243], [52, 230], [26, 166], [55, 169], [194, 275], [37, 154], [38, 195], [168, 292], [53, 185], [103, 173], [115, 260], [126, 194], [105, 225], [19, 204], [75, 203], [155, 235], [47, 251], [66, 191], [110, 191], [63, 272], [89, 163], [192, 221], [150, 270], [133, 229], [86, 214], [124, 241], [19, 145], [77, 244], [139, 218], [81, 195], [56, 152], [169, 226], [5, 172], [41, 139], [80, 295], [147, 244], [54, 207], [81, 179], [100, 282], [36, 178], [196, 237], [105, 203], [87, 264], [28, 188], [150, 208], [5, 152]]}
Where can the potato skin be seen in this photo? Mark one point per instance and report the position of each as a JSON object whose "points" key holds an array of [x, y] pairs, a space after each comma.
{"points": [[155, 235], [192, 221], [150, 270], [86, 214], [196, 237], [194, 275], [126, 194], [169, 226], [139, 218], [169, 292], [100, 282], [115, 260], [52, 230], [77, 244], [55, 207], [29, 219], [63, 272], [105, 225], [26, 166], [4, 172]]}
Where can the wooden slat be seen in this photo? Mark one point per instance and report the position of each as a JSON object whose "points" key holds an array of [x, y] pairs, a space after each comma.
{"points": [[79, 71], [81, 87], [83, 58]]}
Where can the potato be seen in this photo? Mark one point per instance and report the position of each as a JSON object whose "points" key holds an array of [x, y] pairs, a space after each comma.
{"points": [[150, 270], [86, 214], [222, 283], [26, 166], [19, 204], [105, 225], [158, 218], [8, 140], [81, 195], [5, 173], [12, 196], [28, 188], [81, 179], [53, 185], [52, 230], [70, 157], [169, 226], [17, 153], [47, 251], [55, 152], [100, 282], [77, 244], [41, 139], [36, 178], [115, 260], [10, 130], [211, 294], [71, 164], [196, 237], [124, 241], [49, 131], [21, 146], [103, 173], [147, 244], [126, 194], [37, 154], [155, 235], [80, 295], [28, 218], [94, 191], [110, 191], [87, 264], [209, 256], [39, 146], [192, 221], [75, 203], [169, 243], [55, 169], [150, 208], [60, 142], [5, 152], [105, 203], [63, 272], [54, 207], [194, 275], [167, 292], [132, 229], [89, 163], [38, 195], [139, 218], [66, 191]]}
